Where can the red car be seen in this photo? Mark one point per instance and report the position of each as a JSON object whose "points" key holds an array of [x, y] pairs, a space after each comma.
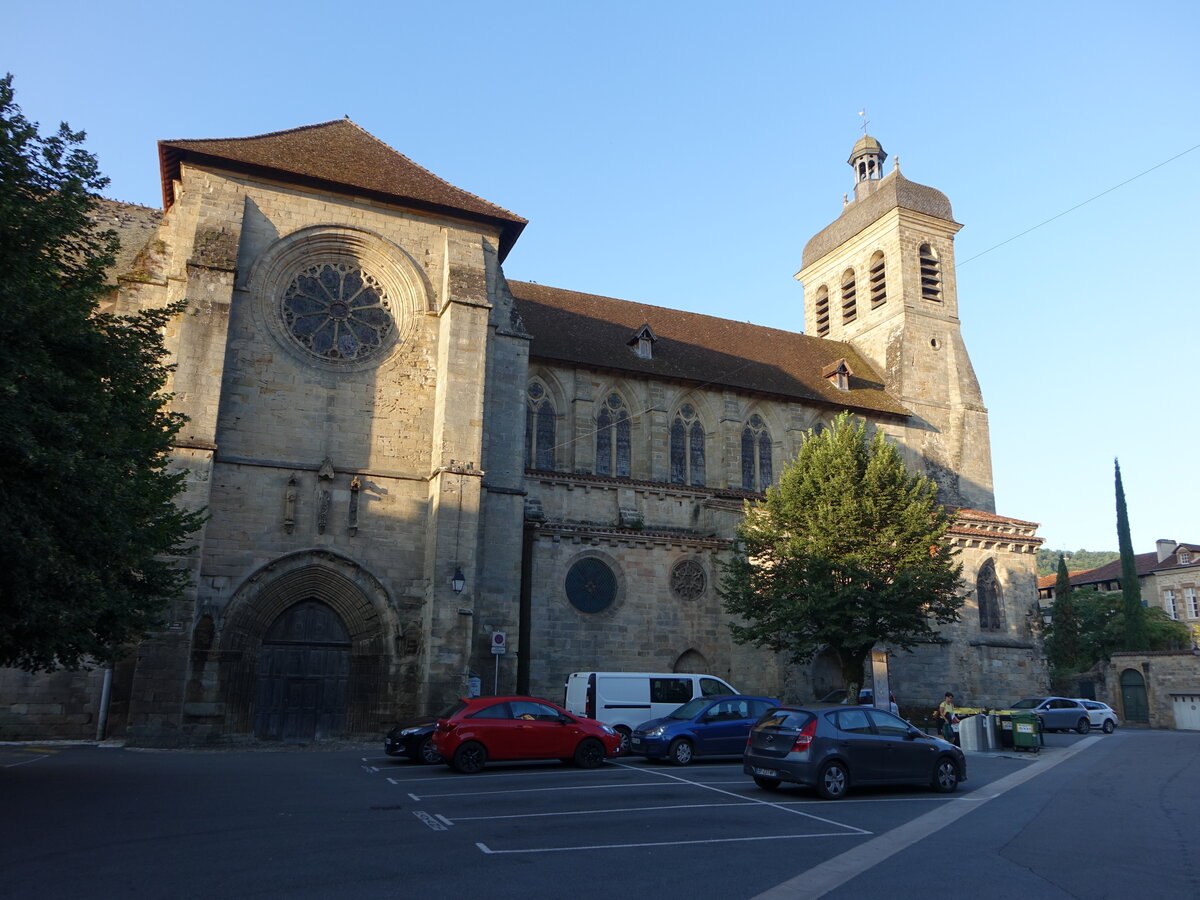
{"points": [[484, 728]]}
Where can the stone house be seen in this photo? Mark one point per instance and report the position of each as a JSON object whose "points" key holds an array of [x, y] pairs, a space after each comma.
{"points": [[403, 453]]}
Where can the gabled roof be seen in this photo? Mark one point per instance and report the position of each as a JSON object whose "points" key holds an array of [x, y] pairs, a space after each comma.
{"points": [[590, 330], [342, 157]]}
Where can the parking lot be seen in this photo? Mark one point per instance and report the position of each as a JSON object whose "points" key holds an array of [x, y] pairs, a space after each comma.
{"points": [[356, 823]]}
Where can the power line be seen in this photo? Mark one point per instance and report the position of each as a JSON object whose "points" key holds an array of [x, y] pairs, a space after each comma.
{"points": [[1078, 205]]}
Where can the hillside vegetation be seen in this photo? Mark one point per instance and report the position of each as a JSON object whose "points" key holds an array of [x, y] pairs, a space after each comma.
{"points": [[1077, 560]]}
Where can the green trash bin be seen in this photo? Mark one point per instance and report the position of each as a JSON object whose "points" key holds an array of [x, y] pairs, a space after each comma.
{"points": [[1025, 732]]}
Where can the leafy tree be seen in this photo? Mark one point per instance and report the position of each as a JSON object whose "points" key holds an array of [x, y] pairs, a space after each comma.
{"points": [[1131, 588], [86, 496], [848, 550], [1062, 636], [1102, 629]]}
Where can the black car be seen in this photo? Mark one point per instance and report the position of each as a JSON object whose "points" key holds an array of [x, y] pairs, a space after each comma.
{"points": [[831, 750], [411, 738]]}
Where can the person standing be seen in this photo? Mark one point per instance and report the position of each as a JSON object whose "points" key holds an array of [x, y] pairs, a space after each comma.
{"points": [[946, 709]]}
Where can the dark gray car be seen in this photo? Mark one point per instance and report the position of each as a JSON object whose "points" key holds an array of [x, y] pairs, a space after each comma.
{"points": [[832, 750]]}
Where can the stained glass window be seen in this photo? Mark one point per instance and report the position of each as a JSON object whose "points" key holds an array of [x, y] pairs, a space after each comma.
{"points": [[591, 585], [687, 447], [756, 455], [539, 429], [337, 312], [613, 438]]}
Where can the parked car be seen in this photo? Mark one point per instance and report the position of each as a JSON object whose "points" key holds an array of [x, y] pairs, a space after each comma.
{"points": [[1056, 713], [508, 728], [626, 699], [413, 738], [1100, 715], [832, 750], [706, 726]]}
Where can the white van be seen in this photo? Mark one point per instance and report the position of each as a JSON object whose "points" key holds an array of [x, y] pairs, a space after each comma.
{"points": [[625, 700]]}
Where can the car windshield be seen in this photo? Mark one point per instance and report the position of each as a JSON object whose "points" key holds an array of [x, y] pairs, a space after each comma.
{"points": [[1028, 704], [691, 709]]}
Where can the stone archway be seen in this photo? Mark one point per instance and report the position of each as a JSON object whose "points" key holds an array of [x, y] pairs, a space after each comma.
{"points": [[691, 662], [329, 620]]}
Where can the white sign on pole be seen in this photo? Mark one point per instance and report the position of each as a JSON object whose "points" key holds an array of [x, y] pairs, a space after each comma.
{"points": [[499, 643]]}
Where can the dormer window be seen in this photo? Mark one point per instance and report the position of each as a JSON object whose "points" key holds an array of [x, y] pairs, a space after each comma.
{"points": [[642, 343], [838, 374], [1185, 558]]}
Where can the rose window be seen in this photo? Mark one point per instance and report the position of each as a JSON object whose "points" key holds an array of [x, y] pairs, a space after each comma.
{"points": [[688, 580], [337, 312]]}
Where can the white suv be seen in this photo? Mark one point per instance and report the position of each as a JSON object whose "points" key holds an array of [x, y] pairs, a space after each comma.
{"points": [[1100, 715]]}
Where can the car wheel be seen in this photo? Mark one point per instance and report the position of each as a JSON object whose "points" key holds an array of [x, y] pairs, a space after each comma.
{"points": [[1083, 726], [1109, 726], [833, 781], [626, 736], [589, 753], [945, 776], [470, 758], [425, 752], [767, 784], [680, 752]]}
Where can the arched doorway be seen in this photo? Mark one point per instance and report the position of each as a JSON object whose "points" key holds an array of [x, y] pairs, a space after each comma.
{"points": [[691, 662], [303, 675], [1133, 696]]}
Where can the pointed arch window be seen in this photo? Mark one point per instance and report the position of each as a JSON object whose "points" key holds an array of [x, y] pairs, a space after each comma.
{"points": [[931, 274], [687, 447], [822, 310], [849, 297], [539, 428], [613, 438], [987, 592], [756, 455], [878, 280]]}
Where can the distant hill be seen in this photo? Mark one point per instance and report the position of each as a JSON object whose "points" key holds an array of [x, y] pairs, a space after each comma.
{"points": [[1077, 561]]}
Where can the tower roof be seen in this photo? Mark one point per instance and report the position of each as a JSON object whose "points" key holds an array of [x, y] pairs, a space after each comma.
{"points": [[342, 157], [894, 190], [867, 145]]}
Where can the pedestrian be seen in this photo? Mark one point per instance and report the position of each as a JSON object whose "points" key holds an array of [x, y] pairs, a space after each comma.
{"points": [[892, 705], [946, 710]]}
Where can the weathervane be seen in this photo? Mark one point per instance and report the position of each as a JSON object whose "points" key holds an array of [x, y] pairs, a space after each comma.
{"points": [[863, 112]]}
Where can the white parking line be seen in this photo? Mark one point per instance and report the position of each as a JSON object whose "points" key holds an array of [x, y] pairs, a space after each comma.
{"points": [[833, 873], [598, 812], [769, 837], [543, 790]]}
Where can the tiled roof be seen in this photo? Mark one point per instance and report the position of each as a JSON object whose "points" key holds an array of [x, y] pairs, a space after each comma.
{"points": [[134, 226], [1144, 562], [338, 154], [589, 330], [894, 190]]}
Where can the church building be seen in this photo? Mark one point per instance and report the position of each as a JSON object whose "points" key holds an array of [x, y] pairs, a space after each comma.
{"points": [[409, 461]]}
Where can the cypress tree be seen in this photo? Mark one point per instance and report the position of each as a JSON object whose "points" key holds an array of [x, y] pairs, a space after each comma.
{"points": [[1062, 646], [1131, 589]]}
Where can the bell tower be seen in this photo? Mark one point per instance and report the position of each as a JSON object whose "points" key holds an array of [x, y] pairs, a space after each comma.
{"points": [[881, 278]]}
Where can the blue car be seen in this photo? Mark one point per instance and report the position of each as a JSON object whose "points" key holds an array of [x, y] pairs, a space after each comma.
{"points": [[705, 726]]}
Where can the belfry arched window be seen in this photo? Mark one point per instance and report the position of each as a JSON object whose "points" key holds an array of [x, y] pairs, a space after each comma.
{"points": [[687, 447], [539, 428], [987, 592], [849, 297], [613, 438], [756, 455], [821, 306], [878, 279], [931, 274]]}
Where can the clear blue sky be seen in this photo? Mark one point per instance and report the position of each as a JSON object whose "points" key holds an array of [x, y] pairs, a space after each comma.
{"points": [[682, 153]]}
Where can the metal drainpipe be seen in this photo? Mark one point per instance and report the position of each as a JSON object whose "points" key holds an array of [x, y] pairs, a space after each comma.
{"points": [[524, 613]]}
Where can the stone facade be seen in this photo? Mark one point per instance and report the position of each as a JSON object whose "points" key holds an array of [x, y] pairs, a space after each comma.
{"points": [[1158, 689], [375, 411]]}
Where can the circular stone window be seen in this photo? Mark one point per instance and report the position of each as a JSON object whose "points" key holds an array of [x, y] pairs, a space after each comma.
{"points": [[688, 580], [338, 298], [591, 585]]}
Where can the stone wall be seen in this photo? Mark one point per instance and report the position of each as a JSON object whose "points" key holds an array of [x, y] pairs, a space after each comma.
{"points": [[1165, 672]]}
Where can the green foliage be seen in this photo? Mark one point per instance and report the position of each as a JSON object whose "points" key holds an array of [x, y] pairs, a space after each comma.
{"points": [[1077, 561], [91, 533], [1102, 629], [1062, 635], [848, 550], [1136, 637]]}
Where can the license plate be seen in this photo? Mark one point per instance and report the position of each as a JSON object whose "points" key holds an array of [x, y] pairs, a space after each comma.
{"points": [[637, 742], [766, 773]]}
